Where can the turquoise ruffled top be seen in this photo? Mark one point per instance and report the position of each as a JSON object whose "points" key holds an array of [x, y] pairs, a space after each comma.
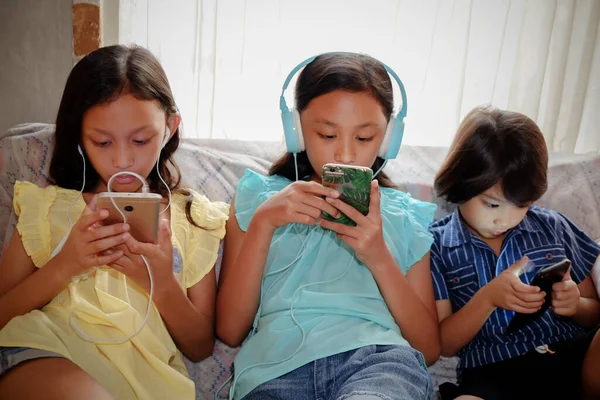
{"points": [[317, 298]]}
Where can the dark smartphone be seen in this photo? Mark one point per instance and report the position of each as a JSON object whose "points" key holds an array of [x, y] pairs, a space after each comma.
{"points": [[354, 185], [544, 278]]}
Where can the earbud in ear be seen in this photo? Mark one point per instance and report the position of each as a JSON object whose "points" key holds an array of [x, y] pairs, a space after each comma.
{"points": [[79, 150], [166, 139]]}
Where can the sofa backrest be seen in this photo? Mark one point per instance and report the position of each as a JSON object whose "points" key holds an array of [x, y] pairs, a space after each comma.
{"points": [[213, 167]]}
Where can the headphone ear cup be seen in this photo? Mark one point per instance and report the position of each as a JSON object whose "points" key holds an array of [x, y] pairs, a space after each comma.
{"points": [[166, 139], [289, 131], [385, 143], [298, 129], [393, 138]]}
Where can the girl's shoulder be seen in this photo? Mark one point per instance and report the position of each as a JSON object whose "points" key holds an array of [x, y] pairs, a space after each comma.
{"points": [[405, 221], [28, 195], [26, 192], [253, 183], [206, 214], [252, 190], [42, 213], [197, 242], [395, 203]]}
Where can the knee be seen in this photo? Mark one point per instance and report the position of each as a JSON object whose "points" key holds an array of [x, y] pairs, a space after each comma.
{"points": [[50, 378]]}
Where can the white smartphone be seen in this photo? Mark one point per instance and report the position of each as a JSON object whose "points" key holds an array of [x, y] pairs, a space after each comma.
{"points": [[141, 209]]}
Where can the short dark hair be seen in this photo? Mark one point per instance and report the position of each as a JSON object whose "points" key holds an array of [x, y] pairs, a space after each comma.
{"points": [[495, 146], [329, 72]]}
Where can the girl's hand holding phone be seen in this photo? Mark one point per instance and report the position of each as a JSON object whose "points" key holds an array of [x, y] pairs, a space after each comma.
{"points": [[565, 296], [507, 291], [159, 257], [300, 202], [366, 238], [88, 240]]}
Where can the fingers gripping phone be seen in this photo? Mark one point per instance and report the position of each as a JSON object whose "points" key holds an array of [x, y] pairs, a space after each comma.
{"points": [[141, 210], [544, 278], [354, 185]]}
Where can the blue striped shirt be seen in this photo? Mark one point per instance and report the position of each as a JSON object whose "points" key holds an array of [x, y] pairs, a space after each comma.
{"points": [[462, 263]]}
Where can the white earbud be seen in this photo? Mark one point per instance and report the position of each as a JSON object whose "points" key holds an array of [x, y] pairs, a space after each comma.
{"points": [[166, 139], [162, 146]]}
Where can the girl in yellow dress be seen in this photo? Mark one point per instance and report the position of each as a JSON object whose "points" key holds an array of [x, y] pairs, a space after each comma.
{"points": [[73, 296]]}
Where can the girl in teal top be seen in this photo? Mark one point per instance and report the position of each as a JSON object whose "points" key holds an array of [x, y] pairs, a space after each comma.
{"points": [[334, 312]]}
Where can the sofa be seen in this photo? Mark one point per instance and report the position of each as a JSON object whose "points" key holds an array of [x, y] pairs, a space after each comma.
{"points": [[213, 167]]}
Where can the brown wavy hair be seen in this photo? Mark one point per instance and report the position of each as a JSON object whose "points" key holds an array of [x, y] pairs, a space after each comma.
{"points": [[102, 77]]}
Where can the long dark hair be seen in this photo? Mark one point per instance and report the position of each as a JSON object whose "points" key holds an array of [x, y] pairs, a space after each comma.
{"points": [[338, 71], [101, 77], [495, 146]]}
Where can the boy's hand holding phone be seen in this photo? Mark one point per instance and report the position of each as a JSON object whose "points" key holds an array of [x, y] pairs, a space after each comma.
{"points": [[565, 296], [545, 279], [507, 291]]}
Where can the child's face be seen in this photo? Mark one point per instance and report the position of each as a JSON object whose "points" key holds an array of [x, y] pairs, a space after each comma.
{"points": [[343, 127], [124, 135], [489, 215]]}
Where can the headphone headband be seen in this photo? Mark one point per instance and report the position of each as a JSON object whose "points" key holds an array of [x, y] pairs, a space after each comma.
{"points": [[291, 118]]}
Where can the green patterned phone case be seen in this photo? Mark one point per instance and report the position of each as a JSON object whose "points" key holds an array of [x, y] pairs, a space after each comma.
{"points": [[354, 185]]}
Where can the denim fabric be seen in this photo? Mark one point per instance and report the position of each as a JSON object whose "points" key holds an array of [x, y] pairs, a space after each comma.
{"points": [[10, 357], [368, 373]]}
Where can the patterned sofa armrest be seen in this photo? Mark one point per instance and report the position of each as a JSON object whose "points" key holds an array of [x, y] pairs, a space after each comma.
{"points": [[24, 155]]}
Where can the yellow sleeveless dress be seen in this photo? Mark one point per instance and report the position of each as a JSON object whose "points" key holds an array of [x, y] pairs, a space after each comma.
{"points": [[148, 366]]}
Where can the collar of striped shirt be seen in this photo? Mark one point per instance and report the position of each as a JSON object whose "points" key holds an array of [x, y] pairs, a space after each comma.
{"points": [[457, 233]]}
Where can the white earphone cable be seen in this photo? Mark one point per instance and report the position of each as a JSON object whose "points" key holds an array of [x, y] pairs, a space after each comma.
{"points": [[73, 316]]}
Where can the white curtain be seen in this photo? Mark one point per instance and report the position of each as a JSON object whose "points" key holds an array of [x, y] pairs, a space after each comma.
{"points": [[227, 59]]}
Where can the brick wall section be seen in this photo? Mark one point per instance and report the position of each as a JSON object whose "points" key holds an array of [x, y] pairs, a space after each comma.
{"points": [[86, 27]]}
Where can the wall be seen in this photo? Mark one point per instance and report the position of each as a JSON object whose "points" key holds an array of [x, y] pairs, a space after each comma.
{"points": [[36, 43]]}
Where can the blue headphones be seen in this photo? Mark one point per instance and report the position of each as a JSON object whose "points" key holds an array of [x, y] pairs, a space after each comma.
{"points": [[293, 129]]}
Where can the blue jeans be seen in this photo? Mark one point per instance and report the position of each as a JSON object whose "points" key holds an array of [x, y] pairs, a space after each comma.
{"points": [[10, 357], [368, 373]]}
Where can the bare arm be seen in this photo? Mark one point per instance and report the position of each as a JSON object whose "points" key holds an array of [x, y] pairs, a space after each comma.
{"points": [[458, 329], [15, 265], [410, 299], [189, 316], [24, 288], [595, 274], [588, 309], [411, 302], [244, 258], [245, 254]]}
